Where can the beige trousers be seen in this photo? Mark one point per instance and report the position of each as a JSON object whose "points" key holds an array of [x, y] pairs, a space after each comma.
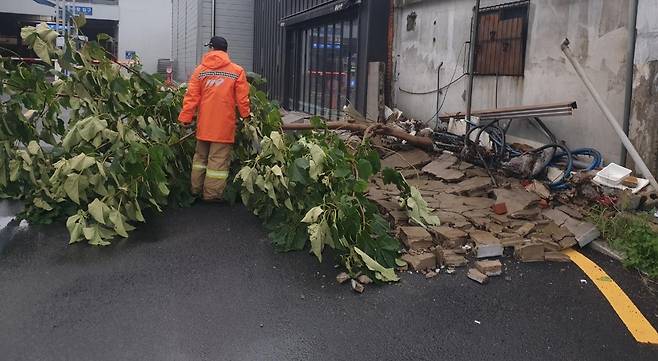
{"points": [[210, 168]]}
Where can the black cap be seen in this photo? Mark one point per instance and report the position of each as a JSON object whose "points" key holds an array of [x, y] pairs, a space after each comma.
{"points": [[218, 43]]}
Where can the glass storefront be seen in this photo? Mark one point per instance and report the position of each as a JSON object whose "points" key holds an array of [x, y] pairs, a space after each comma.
{"points": [[324, 66]]}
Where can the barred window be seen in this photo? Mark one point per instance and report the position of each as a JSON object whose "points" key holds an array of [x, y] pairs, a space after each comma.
{"points": [[501, 39]]}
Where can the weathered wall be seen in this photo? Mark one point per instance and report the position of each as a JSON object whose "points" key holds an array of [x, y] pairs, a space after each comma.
{"points": [[598, 35], [644, 111], [186, 45]]}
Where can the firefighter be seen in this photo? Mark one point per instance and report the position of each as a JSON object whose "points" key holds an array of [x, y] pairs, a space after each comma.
{"points": [[216, 88]]}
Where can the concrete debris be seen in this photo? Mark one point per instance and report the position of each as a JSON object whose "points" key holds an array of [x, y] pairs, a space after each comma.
{"points": [[526, 214], [556, 216], [440, 168], [525, 229], [567, 242], [431, 274], [413, 158], [477, 276], [539, 189], [516, 200], [571, 212], [416, 238], [357, 287], [556, 257], [486, 244], [420, 262], [342, 277], [364, 279], [471, 185], [529, 252], [490, 268], [584, 232]]}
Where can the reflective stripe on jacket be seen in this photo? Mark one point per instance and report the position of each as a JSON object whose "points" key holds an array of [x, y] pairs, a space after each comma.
{"points": [[216, 88]]}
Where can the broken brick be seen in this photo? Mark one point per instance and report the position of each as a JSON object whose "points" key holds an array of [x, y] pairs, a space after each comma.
{"points": [[486, 244], [449, 258], [449, 237], [398, 217], [416, 237], [364, 279], [342, 277], [357, 287], [420, 262], [499, 208], [512, 241], [529, 252], [526, 214], [477, 276], [567, 242], [490, 268], [556, 257], [525, 229], [471, 185]]}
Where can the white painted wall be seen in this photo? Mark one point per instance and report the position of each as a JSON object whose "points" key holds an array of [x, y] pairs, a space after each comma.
{"points": [[598, 34], [145, 27], [100, 11]]}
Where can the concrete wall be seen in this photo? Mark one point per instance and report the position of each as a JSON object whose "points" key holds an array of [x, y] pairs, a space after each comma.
{"points": [[598, 34], [192, 27], [235, 21], [100, 11], [150, 39], [186, 44], [644, 106]]}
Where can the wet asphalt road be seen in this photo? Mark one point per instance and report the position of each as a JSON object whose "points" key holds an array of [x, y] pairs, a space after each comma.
{"points": [[204, 284]]}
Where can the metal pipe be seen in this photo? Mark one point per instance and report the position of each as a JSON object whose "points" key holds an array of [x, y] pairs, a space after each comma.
{"points": [[471, 63], [438, 90], [214, 13], [644, 170], [630, 59]]}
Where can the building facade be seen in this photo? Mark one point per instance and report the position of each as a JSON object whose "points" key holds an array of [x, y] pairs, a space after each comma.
{"points": [[194, 22], [319, 55], [518, 61], [139, 28]]}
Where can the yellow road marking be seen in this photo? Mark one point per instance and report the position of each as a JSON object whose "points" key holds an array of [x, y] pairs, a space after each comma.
{"points": [[636, 323]]}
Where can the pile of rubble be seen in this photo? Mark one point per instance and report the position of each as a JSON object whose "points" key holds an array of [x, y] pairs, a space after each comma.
{"points": [[482, 216]]}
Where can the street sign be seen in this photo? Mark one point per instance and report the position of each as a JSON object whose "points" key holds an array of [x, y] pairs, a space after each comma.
{"points": [[130, 54], [86, 10]]}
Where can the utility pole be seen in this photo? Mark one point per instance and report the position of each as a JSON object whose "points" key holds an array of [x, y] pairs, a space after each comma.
{"points": [[475, 26]]}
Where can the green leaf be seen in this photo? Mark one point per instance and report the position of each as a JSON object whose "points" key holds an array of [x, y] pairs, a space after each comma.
{"points": [[361, 186], [119, 224], [162, 186], [97, 210], [319, 235], [80, 21], [382, 274], [33, 148], [312, 215], [277, 171], [81, 162], [40, 203], [365, 169], [41, 49], [72, 187], [75, 224], [288, 204], [102, 37]]}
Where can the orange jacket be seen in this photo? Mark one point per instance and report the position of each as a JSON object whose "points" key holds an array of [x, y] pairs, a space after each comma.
{"points": [[216, 87]]}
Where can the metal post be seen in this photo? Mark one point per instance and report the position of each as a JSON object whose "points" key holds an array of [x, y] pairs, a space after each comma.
{"points": [[630, 58], [438, 91], [475, 26], [644, 170], [212, 21]]}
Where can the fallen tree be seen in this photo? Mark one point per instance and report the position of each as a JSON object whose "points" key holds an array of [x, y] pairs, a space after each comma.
{"points": [[96, 143]]}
